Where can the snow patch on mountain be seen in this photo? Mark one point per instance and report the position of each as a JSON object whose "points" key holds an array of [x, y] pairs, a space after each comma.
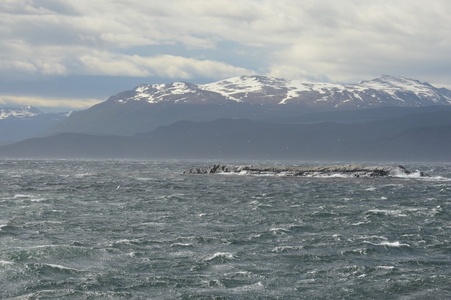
{"points": [[19, 112], [386, 90], [237, 88], [398, 85], [156, 93]]}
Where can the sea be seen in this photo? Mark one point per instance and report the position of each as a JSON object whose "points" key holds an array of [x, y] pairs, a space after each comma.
{"points": [[130, 229]]}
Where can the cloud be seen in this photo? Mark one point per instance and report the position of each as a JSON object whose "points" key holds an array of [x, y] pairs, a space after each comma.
{"points": [[73, 103], [168, 66], [92, 38], [342, 41], [364, 39]]}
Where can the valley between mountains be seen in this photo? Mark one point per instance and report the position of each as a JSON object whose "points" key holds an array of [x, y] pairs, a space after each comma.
{"points": [[248, 117]]}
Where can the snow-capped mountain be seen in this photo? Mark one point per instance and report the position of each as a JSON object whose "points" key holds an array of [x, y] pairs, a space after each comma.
{"points": [[19, 112], [149, 106], [248, 116], [25, 122], [383, 91], [177, 92]]}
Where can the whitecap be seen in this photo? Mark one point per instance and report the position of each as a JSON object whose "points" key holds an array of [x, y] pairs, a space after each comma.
{"points": [[385, 267], [266, 175], [287, 248], [181, 245], [60, 267], [124, 242], [396, 244], [143, 179], [436, 178], [418, 175], [38, 199], [255, 236], [19, 196], [176, 195], [377, 237], [279, 230], [361, 251], [333, 175], [243, 274], [305, 281], [358, 223], [395, 212], [220, 255], [247, 288], [401, 173], [82, 175], [157, 224]]}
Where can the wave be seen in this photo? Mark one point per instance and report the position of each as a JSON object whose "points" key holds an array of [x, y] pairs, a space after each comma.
{"points": [[395, 244], [4, 263], [221, 256], [400, 173], [73, 294], [405, 211], [418, 175], [181, 245], [248, 288], [387, 212], [371, 189], [279, 230], [287, 248], [436, 178], [19, 196], [60, 267], [385, 268]]}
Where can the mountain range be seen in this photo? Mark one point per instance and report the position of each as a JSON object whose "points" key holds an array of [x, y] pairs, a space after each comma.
{"points": [[261, 90], [147, 107], [19, 123], [253, 117]]}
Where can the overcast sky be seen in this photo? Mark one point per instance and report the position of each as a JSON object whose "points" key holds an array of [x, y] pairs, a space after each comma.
{"points": [[75, 53]]}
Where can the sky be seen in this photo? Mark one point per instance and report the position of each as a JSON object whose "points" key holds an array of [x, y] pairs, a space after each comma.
{"points": [[72, 54]]}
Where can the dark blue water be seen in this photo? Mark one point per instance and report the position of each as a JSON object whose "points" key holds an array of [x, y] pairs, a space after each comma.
{"points": [[143, 230]]}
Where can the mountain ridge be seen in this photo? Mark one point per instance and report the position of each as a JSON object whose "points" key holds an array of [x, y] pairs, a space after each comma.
{"points": [[386, 90], [149, 106], [18, 123], [19, 112], [414, 137]]}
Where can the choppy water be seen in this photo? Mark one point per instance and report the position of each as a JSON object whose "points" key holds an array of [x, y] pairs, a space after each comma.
{"points": [[143, 230]]}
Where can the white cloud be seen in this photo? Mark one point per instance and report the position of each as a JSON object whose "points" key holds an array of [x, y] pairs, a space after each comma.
{"points": [[73, 103], [370, 39], [90, 38], [169, 66], [344, 41]]}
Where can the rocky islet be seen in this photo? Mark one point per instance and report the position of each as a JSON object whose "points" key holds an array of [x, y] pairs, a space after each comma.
{"points": [[348, 170]]}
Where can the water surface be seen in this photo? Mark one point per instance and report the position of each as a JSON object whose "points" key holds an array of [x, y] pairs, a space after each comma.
{"points": [[143, 230]]}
